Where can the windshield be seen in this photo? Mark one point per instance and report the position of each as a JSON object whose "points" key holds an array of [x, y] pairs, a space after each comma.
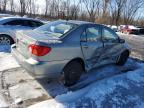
{"points": [[57, 28]]}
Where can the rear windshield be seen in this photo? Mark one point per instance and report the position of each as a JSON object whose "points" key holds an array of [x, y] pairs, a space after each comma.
{"points": [[57, 28]]}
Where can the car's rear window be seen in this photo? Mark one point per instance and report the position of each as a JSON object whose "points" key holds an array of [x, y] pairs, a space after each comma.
{"points": [[57, 28]]}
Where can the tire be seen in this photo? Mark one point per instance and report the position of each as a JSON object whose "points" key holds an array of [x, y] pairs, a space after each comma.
{"points": [[122, 58], [72, 73], [6, 40]]}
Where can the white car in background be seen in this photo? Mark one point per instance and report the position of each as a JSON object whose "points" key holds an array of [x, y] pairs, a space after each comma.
{"points": [[9, 26], [114, 27]]}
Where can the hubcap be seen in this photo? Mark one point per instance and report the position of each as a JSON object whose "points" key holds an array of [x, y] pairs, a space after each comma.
{"points": [[4, 41]]}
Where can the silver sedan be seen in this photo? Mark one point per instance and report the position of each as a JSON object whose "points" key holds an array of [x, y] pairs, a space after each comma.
{"points": [[9, 25], [68, 48]]}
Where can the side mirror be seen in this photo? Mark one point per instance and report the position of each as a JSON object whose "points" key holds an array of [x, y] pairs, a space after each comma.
{"points": [[121, 40]]}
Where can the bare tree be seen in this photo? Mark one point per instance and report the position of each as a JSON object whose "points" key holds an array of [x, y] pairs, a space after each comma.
{"points": [[12, 6], [74, 9], [117, 7], [52, 8], [105, 6], [130, 10], [31, 7], [63, 7], [93, 7], [35, 8], [3, 5], [47, 3], [24, 4], [22, 7], [105, 12]]}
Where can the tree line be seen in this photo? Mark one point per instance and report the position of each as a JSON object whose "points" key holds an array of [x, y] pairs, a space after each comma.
{"points": [[112, 12]]}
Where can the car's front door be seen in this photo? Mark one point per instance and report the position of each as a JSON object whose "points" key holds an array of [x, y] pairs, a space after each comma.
{"points": [[91, 45], [112, 45]]}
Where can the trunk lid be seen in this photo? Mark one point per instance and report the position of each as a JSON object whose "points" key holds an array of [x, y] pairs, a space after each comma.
{"points": [[25, 38]]}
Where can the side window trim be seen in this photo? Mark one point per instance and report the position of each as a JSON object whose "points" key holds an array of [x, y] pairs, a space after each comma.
{"points": [[96, 27], [82, 38], [8, 23], [90, 26], [14, 22], [111, 31]]}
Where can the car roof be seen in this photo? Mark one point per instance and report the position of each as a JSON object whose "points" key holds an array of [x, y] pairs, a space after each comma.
{"points": [[77, 22], [6, 19], [19, 18]]}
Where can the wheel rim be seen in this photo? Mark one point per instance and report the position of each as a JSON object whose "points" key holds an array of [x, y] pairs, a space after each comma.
{"points": [[4, 40]]}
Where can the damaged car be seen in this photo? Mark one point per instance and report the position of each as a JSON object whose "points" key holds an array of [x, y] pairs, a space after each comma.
{"points": [[67, 49]]}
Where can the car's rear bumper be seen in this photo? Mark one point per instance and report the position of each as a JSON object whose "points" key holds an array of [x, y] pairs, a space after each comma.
{"points": [[39, 69]]}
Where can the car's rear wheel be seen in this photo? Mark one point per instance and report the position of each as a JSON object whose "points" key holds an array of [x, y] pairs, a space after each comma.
{"points": [[122, 58], [6, 40], [72, 73]]}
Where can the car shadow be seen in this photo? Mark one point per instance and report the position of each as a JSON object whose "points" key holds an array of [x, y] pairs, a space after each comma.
{"points": [[103, 72], [55, 87]]}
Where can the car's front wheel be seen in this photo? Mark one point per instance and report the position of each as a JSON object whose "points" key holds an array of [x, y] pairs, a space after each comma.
{"points": [[72, 73], [122, 58], [5, 40]]}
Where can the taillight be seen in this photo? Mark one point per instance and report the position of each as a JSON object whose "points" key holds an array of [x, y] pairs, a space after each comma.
{"points": [[39, 50]]}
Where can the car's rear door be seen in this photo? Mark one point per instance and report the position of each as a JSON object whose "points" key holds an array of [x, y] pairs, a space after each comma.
{"points": [[91, 44], [112, 46]]}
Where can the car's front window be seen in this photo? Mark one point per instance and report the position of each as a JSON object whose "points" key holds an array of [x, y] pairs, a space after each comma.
{"points": [[57, 28]]}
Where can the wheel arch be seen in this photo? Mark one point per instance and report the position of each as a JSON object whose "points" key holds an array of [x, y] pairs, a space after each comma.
{"points": [[80, 60], [126, 51]]}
